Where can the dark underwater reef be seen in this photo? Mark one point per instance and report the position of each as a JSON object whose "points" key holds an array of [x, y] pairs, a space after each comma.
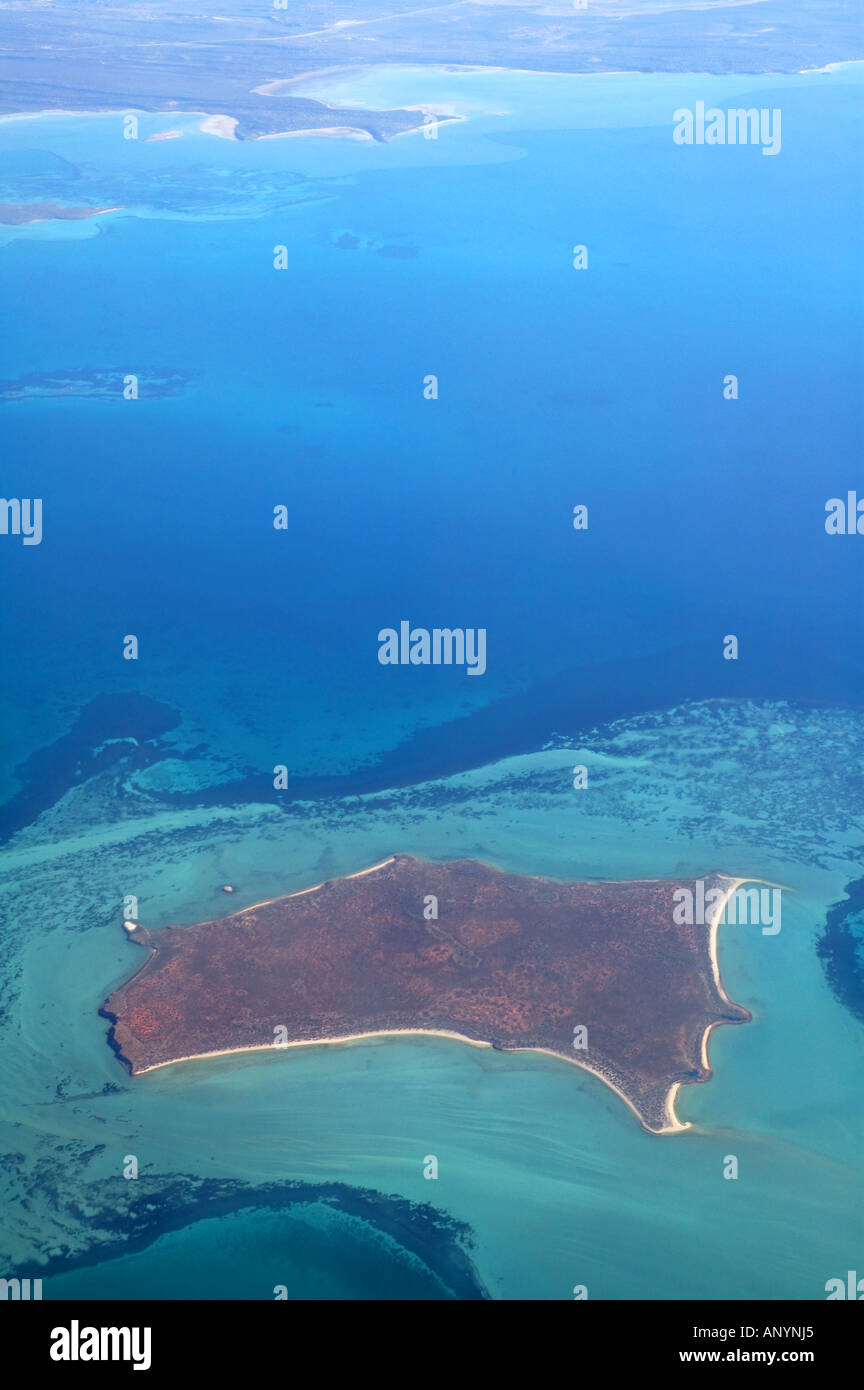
{"points": [[135, 1215]]}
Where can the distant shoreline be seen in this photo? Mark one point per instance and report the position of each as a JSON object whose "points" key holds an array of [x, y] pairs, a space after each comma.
{"points": [[223, 125]]}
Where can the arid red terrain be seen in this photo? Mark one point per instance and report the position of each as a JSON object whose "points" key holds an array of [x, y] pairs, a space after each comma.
{"points": [[510, 960]]}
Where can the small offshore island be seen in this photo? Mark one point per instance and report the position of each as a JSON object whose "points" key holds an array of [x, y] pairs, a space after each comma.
{"points": [[510, 961]]}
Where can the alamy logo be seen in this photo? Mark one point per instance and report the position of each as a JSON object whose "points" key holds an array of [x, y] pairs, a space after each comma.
{"points": [[443, 646], [22, 516], [759, 907], [845, 517], [20, 1289], [850, 1287], [736, 127], [76, 1343]]}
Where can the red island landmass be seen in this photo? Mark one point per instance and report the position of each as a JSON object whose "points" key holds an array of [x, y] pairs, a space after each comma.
{"points": [[461, 949]]}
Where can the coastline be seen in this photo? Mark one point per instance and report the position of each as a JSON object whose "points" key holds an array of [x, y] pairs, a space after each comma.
{"points": [[223, 125], [280, 897], [345, 1039], [330, 132], [713, 934]]}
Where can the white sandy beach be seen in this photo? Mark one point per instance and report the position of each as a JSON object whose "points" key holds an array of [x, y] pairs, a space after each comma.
{"points": [[673, 1125], [333, 132]]}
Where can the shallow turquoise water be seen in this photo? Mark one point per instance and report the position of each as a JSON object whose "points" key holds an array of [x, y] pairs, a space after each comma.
{"points": [[555, 1177]]}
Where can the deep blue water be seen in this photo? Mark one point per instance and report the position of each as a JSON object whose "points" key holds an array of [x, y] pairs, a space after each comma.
{"points": [[706, 516]]}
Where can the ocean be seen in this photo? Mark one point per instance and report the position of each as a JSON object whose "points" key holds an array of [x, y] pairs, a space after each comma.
{"points": [[303, 387]]}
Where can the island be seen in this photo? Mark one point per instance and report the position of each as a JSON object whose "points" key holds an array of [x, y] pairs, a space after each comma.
{"points": [[95, 383], [601, 974]]}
